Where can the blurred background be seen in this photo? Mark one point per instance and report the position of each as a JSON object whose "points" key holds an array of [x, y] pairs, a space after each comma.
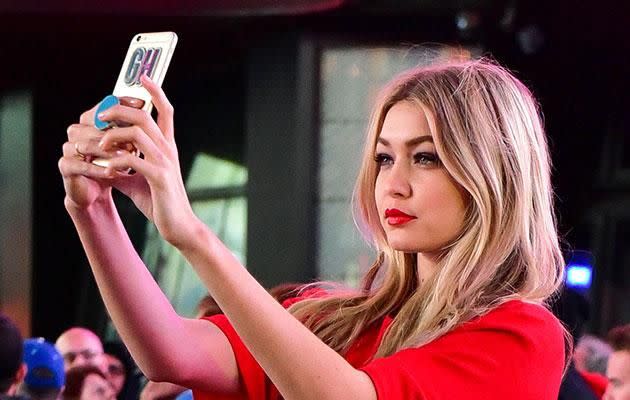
{"points": [[272, 100]]}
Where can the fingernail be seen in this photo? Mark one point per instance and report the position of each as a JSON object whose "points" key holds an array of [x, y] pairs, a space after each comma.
{"points": [[101, 144], [121, 152], [102, 115]]}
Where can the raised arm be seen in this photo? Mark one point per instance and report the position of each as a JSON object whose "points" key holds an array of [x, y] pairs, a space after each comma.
{"points": [[297, 362], [166, 346]]}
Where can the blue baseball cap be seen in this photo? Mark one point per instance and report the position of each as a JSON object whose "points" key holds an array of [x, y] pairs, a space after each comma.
{"points": [[45, 365]]}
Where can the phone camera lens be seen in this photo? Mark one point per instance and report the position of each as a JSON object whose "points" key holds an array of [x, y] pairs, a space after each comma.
{"points": [[138, 38]]}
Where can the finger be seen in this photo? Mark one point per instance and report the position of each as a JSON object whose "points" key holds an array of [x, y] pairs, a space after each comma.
{"points": [[162, 105], [87, 151], [87, 118], [132, 134], [71, 149], [128, 161], [131, 102], [137, 117], [79, 132], [71, 166]]}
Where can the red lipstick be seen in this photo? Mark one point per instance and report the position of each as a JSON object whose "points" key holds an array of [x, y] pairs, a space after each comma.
{"points": [[396, 217]]}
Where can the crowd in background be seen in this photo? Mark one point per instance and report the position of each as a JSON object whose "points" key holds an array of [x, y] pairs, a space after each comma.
{"points": [[80, 366]]}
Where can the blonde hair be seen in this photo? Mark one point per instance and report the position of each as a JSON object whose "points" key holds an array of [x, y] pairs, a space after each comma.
{"points": [[489, 136]]}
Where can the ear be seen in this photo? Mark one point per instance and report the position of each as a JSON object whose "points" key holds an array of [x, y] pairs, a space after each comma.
{"points": [[21, 373]]}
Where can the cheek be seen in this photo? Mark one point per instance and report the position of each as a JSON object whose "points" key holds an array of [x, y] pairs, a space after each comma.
{"points": [[378, 194], [446, 195], [448, 204]]}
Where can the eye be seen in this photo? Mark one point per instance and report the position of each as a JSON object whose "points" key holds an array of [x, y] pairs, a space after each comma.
{"points": [[426, 158], [383, 159]]}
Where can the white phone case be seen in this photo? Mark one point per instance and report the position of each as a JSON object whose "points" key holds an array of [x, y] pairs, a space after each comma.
{"points": [[150, 53]]}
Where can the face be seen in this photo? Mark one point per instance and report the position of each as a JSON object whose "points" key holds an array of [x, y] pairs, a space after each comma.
{"points": [[96, 388], [80, 346], [618, 373], [579, 358], [115, 372], [421, 208]]}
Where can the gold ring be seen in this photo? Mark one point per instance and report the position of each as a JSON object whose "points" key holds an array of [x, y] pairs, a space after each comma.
{"points": [[79, 154]]}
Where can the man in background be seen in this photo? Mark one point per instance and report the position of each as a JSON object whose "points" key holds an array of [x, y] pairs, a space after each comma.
{"points": [[80, 346], [618, 371], [45, 376]]}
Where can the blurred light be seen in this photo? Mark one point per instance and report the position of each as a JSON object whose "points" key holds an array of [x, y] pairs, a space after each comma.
{"points": [[468, 25], [579, 276], [462, 22], [508, 18], [531, 39]]}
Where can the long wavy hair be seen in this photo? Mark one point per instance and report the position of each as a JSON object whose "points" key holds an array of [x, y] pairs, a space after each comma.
{"points": [[489, 135]]}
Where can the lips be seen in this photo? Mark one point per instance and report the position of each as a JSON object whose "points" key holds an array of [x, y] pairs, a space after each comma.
{"points": [[396, 217]]}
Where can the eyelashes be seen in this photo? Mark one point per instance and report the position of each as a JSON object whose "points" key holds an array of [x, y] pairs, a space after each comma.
{"points": [[423, 158], [426, 158], [382, 159]]}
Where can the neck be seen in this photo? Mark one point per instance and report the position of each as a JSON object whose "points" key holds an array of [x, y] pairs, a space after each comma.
{"points": [[427, 264]]}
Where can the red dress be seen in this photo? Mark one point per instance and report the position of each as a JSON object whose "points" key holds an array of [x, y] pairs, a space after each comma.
{"points": [[515, 352]]}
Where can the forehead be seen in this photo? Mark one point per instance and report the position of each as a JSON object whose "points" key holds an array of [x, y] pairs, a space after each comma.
{"points": [[405, 120], [81, 340]]}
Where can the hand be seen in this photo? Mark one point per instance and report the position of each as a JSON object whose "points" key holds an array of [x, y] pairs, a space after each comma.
{"points": [[157, 188], [84, 182]]}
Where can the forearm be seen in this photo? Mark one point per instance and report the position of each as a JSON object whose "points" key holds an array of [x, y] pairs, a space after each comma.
{"points": [[298, 363], [142, 314]]}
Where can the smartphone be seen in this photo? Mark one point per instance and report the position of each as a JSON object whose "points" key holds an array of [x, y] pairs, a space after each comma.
{"points": [[148, 53]]}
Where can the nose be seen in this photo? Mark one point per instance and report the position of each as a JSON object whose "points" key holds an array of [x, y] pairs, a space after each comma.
{"points": [[80, 359], [397, 182]]}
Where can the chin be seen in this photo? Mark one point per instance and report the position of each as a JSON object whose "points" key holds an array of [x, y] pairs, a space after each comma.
{"points": [[405, 246]]}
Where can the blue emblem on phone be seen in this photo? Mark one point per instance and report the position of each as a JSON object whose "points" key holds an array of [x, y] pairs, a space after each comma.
{"points": [[108, 102]]}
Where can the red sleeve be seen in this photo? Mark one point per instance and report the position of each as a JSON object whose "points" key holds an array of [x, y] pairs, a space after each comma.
{"points": [[514, 352], [254, 381], [252, 377]]}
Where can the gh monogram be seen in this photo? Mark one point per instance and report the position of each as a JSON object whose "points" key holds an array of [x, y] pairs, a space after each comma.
{"points": [[142, 60]]}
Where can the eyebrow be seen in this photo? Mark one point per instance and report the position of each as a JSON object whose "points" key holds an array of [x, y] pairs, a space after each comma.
{"points": [[411, 142]]}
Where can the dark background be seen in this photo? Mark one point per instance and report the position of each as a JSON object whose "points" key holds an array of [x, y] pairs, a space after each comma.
{"points": [[251, 70]]}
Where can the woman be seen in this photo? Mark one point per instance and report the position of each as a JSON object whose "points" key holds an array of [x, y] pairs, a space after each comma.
{"points": [[454, 191]]}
